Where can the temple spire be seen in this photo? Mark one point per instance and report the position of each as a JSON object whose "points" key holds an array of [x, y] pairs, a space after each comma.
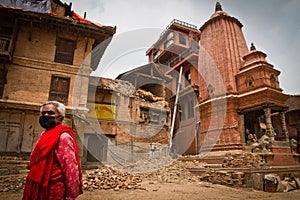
{"points": [[218, 7], [252, 48]]}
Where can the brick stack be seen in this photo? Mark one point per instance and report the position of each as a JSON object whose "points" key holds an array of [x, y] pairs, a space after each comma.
{"points": [[108, 178], [227, 176], [244, 160], [223, 177]]}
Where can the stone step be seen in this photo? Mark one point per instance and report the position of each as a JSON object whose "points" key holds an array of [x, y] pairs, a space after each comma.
{"points": [[10, 167]]}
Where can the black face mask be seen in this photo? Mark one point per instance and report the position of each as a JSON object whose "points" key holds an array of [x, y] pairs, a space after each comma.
{"points": [[47, 122]]}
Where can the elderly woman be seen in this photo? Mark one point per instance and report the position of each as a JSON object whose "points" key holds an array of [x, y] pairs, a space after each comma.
{"points": [[54, 162]]}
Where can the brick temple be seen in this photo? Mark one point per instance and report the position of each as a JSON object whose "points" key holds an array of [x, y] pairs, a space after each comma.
{"points": [[229, 90]]}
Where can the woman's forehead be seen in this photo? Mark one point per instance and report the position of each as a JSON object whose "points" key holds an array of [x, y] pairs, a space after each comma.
{"points": [[50, 107]]}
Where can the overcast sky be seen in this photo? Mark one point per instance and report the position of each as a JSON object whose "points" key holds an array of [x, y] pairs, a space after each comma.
{"points": [[272, 25]]}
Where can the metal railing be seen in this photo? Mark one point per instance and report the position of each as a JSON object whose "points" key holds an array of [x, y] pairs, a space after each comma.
{"points": [[178, 22]]}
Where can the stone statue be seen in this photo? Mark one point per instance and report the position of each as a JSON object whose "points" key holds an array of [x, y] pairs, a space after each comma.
{"points": [[250, 137], [293, 144], [263, 145]]}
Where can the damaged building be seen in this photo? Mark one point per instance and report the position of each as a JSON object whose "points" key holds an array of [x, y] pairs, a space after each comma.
{"points": [[127, 115], [46, 51], [229, 93], [178, 47]]}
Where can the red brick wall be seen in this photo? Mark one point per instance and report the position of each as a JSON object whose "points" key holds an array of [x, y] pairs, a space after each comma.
{"points": [[223, 45]]}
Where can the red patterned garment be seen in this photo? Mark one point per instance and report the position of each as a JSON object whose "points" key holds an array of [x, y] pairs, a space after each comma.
{"points": [[54, 167], [65, 153]]}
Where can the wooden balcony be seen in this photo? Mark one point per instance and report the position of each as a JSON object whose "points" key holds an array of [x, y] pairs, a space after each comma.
{"points": [[173, 41], [189, 55], [170, 48]]}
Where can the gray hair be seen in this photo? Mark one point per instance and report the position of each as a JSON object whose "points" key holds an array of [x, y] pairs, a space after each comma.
{"points": [[59, 106]]}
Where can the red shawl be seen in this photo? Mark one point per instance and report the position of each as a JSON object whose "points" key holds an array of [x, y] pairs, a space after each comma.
{"points": [[41, 159]]}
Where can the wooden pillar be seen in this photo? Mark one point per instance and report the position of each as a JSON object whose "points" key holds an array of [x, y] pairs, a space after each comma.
{"points": [[242, 120], [269, 127], [283, 126]]}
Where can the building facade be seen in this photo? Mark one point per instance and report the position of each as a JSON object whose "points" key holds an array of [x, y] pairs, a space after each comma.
{"points": [[178, 46], [44, 55]]}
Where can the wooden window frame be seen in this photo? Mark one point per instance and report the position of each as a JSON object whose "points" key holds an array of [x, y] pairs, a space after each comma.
{"points": [[65, 49], [59, 94]]}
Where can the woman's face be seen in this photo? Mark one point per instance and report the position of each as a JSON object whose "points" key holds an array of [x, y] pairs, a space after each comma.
{"points": [[51, 111]]}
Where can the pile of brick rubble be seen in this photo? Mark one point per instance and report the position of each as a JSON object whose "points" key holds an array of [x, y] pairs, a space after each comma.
{"points": [[230, 174], [177, 171], [13, 183], [244, 160], [111, 178], [108, 178]]}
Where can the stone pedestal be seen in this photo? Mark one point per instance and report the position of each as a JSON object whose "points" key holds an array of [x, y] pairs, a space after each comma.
{"points": [[281, 155]]}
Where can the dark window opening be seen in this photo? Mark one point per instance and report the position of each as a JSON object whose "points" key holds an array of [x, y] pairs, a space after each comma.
{"points": [[182, 39], [59, 89], [182, 112], [144, 115], [190, 109], [5, 38], [3, 73], [65, 51], [187, 76], [250, 82]]}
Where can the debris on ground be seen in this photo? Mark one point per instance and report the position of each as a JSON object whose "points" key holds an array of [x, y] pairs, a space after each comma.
{"points": [[13, 183], [228, 173], [175, 172], [108, 178]]}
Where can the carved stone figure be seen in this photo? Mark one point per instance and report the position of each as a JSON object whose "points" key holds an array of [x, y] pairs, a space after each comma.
{"points": [[263, 145], [293, 144]]}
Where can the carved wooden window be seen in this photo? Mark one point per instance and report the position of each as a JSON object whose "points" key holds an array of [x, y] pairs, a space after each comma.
{"points": [[59, 89], [65, 51], [5, 38]]}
